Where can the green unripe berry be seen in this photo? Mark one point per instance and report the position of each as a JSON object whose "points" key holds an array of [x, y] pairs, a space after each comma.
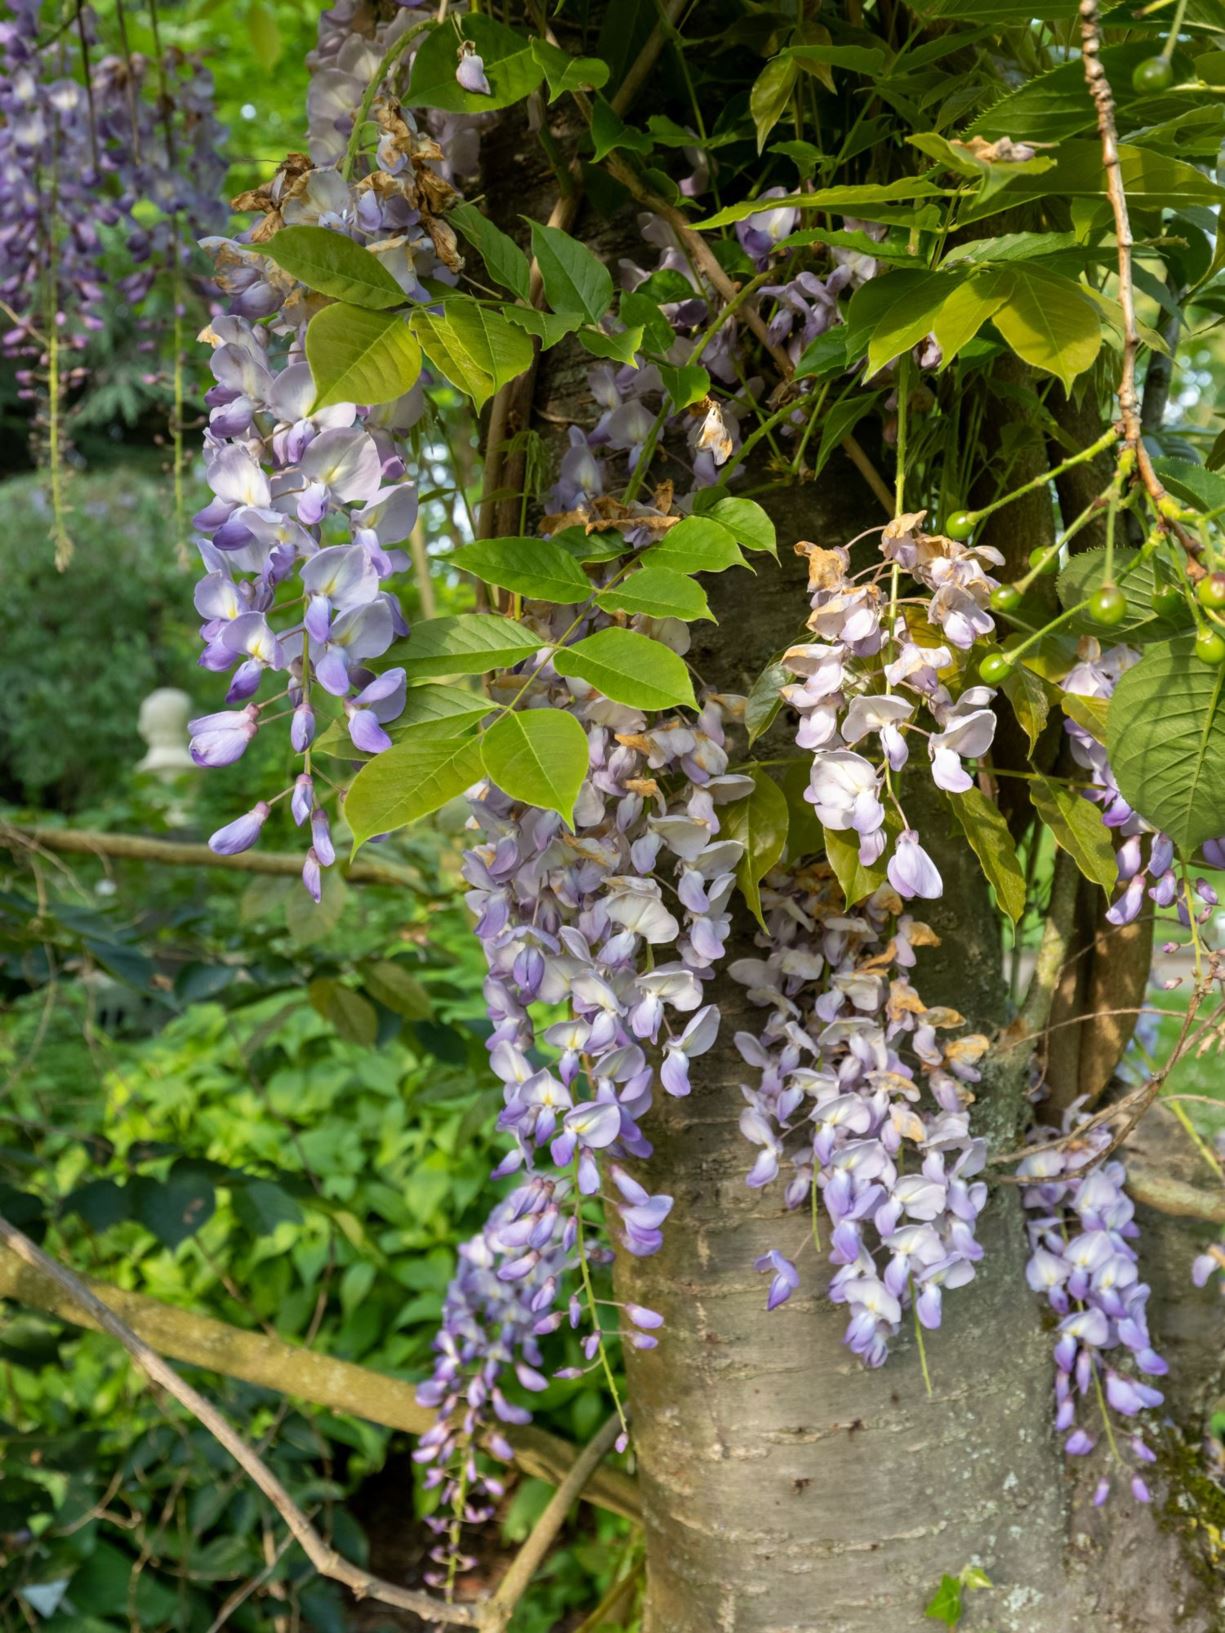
{"points": [[1005, 598], [1153, 74], [1210, 591], [960, 525], [1044, 560], [1108, 605], [1167, 601], [995, 667], [1209, 647]]}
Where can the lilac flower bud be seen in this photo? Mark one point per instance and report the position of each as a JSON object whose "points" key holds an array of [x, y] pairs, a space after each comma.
{"points": [[240, 834], [302, 728], [312, 878], [470, 75], [220, 739], [1139, 1490], [302, 801], [321, 838]]}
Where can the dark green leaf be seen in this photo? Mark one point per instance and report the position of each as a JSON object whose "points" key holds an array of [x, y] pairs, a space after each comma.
{"points": [[176, 1207], [853, 201], [743, 520], [566, 73], [842, 854], [538, 756], [622, 347], [354, 1017], [574, 280], [334, 265], [1135, 577], [759, 822], [685, 385], [100, 1203], [1030, 697], [1165, 730], [610, 132], [262, 1205], [548, 327], [397, 989], [763, 701], [770, 95]]}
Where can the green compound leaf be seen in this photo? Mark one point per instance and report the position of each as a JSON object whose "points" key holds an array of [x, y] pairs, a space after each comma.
{"points": [[538, 756]]}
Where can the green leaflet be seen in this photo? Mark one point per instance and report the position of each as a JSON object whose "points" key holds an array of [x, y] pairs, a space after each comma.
{"points": [[408, 781], [574, 281], [466, 643], [537, 568], [359, 356], [629, 668], [759, 822], [983, 824], [1076, 824], [659, 593], [334, 265], [477, 350], [538, 756], [504, 260]]}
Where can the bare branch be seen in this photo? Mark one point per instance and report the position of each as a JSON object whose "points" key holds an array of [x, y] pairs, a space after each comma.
{"points": [[500, 1609], [272, 1363], [173, 853], [324, 1558]]}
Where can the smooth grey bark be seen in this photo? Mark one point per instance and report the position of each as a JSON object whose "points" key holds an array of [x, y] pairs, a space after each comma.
{"points": [[787, 1489]]}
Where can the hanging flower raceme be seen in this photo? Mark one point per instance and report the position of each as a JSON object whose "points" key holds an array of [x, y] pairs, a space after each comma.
{"points": [[1081, 1230], [837, 1107]]}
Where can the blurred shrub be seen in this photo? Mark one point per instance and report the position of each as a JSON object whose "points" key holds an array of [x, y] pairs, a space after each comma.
{"points": [[83, 647]]}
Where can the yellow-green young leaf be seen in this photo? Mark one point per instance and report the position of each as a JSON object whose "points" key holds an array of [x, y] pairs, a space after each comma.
{"points": [[855, 201], [475, 348], [465, 643], [622, 347], [698, 544], [1030, 697], [511, 67], [266, 42], [538, 756], [759, 822], [537, 568], [358, 356], [741, 520], [688, 383], [1089, 712], [842, 854], [770, 94], [984, 826], [574, 281], [629, 668], [1077, 827], [660, 593], [408, 781], [1048, 322], [334, 265], [897, 311], [548, 327], [1165, 730], [964, 312]]}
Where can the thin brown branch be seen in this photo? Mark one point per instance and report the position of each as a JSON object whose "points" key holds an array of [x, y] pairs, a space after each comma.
{"points": [[322, 1556], [500, 1609], [1129, 403], [174, 853], [273, 1363]]}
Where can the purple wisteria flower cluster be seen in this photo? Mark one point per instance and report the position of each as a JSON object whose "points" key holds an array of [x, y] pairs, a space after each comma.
{"points": [[299, 539], [491, 1326], [861, 685], [838, 1099], [101, 183], [1081, 1230]]}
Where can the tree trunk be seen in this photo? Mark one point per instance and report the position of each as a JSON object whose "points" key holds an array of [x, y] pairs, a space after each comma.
{"points": [[786, 1488]]}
